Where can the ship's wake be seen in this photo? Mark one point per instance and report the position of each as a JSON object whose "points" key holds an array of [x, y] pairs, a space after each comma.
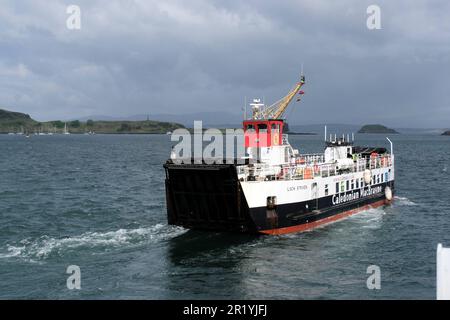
{"points": [[44, 247]]}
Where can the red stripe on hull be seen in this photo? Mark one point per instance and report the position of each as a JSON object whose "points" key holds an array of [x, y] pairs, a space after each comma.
{"points": [[315, 224]]}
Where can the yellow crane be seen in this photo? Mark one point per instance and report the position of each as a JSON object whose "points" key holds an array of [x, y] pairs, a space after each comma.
{"points": [[276, 110]]}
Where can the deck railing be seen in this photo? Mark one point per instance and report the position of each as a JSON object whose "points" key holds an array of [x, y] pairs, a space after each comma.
{"points": [[311, 167]]}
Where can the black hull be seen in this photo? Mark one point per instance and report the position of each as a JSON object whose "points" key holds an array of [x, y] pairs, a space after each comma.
{"points": [[210, 197]]}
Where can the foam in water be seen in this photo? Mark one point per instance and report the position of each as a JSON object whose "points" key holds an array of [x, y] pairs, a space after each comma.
{"points": [[371, 218], [403, 201], [44, 246]]}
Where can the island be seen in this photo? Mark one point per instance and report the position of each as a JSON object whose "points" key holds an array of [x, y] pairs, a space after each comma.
{"points": [[20, 123], [376, 128], [446, 133]]}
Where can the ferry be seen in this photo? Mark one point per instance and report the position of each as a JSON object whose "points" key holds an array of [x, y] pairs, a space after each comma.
{"points": [[281, 190]]}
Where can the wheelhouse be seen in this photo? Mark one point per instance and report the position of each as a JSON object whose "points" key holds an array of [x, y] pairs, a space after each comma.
{"points": [[263, 133]]}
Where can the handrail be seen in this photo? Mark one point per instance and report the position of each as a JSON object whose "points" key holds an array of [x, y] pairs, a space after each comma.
{"points": [[309, 170]]}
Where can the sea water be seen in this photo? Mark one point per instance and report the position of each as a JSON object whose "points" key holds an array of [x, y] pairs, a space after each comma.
{"points": [[98, 202]]}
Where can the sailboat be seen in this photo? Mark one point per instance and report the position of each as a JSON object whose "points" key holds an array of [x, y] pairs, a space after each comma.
{"points": [[65, 129]]}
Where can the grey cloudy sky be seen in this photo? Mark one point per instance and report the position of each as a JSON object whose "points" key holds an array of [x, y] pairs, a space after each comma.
{"points": [[139, 57]]}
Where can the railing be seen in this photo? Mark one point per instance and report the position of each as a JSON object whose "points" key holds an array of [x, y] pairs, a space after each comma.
{"points": [[309, 169], [313, 158]]}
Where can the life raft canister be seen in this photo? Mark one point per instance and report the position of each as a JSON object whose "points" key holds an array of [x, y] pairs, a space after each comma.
{"points": [[307, 173]]}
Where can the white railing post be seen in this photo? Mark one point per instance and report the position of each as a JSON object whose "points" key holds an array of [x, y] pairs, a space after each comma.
{"points": [[392, 145], [442, 273]]}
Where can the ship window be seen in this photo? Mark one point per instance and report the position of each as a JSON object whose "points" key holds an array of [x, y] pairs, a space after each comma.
{"points": [[326, 189], [342, 186], [386, 176], [374, 180], [378, 178], [262, 127], [357, 183], [250, 127], [337, 187], [382, 177], [275, 127], [353, 184], [347, 185], [362, 182]]}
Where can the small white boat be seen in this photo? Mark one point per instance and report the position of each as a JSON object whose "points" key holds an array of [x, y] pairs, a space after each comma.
{"points": [[65, 129]]}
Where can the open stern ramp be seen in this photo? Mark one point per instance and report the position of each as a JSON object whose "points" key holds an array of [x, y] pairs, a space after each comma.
{"points": [[206, 196]]}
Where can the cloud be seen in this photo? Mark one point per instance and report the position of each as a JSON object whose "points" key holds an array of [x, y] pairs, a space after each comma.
{"points": [[133, 57]]}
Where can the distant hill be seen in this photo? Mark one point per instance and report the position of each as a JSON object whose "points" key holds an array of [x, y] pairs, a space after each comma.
{"points": [[16, 122], [376, 128], [14, 118], [146, 126], [446, 133], [210, 119]]}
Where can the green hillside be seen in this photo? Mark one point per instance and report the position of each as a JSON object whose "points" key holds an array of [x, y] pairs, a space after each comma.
{"points": [[16, 122]]}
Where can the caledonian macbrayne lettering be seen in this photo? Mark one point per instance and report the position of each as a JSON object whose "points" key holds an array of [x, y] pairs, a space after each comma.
{"points": [[342, 198]]}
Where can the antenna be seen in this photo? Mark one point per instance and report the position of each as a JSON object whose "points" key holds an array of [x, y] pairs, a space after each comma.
{"points": [[325, 133]]}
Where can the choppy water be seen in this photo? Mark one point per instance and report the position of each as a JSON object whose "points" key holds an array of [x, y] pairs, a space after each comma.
{"points": [[98, 202]]}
